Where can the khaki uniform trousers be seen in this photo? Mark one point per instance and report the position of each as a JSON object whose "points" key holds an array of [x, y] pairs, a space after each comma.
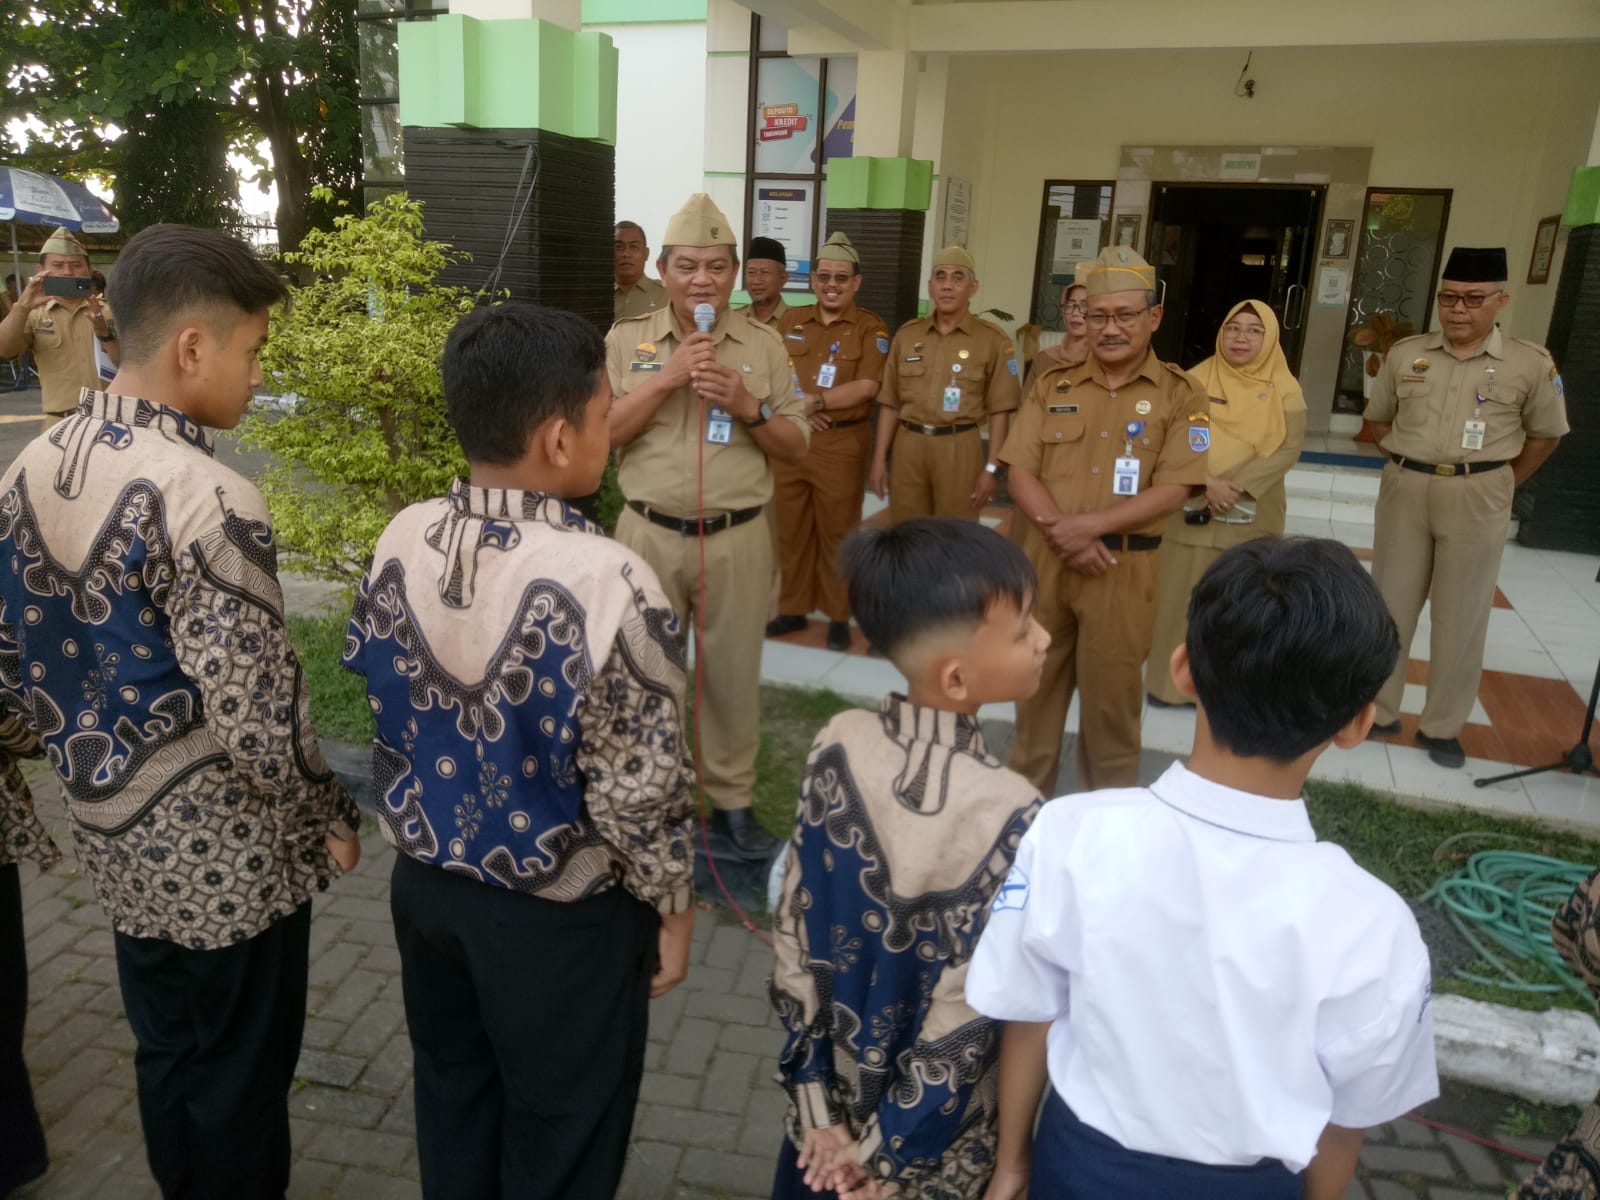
{"points": [[1099, 630], [818, 502], [739, 573], [1181, 568], [934, 476], [1443, 536]]}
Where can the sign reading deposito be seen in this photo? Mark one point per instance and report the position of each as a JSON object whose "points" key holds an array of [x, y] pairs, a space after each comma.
{"points": [[780, 121]]}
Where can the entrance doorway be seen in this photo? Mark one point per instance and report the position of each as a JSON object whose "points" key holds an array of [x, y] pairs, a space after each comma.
{"points": [[1217, 244]]}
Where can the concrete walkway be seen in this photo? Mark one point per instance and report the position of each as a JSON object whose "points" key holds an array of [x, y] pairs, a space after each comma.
{"points": [[709, 1120]]}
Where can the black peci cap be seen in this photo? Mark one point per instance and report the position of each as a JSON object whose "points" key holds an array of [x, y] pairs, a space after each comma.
{"points": [[1468, 265], [770, 248]]}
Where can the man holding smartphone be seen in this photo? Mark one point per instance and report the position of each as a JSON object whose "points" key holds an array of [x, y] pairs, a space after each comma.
{"points": [[57, 317]]}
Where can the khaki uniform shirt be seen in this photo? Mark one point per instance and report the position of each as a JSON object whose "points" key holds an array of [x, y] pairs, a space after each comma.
{"points": [[1073, 428], [1048, 360], [61, 339], [660, 467], [923, 362], [777, 322], [1429, 395], [856, 343], [645, 296]]}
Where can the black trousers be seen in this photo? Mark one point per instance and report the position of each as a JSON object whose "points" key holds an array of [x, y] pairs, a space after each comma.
{"points": [[22, 1151], [218, 1035], [528, 1020]]}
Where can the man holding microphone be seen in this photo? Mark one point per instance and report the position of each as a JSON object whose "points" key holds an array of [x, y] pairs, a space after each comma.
{"points": [[703, 399]]}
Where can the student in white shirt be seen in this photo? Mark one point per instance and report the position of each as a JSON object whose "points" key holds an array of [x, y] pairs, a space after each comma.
{"points": [[1224, 1003]]}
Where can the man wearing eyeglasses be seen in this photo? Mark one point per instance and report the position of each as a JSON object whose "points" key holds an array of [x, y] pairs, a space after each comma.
{"points": [[948, 374], [1466, 414], [1103, 453], [635, 293]]}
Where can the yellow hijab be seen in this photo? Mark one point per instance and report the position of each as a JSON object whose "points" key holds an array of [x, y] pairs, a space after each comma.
{"points": [[1257, 395]]}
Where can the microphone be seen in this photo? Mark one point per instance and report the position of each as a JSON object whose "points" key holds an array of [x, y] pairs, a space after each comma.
{"points": [[704, 317]]}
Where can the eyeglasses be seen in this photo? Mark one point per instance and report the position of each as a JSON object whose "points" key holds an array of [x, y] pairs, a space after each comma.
{"points": [[1124, 320], [1249, 331], [1077, 306], [1472, 300]]}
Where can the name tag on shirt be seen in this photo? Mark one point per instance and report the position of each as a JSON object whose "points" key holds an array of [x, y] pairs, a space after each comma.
{"points": [[952, 399], [1125, 477], [644, 366], [1058, 409], [826, 374], [1472, 435], [719, 426]]}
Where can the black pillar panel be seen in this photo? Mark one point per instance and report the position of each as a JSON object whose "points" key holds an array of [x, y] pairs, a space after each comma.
{"points": [[1566, 491], [889, 241], [474, 187]]}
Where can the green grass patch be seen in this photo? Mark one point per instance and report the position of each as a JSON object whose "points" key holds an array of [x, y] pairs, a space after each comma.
{"points": [[338, 697]]}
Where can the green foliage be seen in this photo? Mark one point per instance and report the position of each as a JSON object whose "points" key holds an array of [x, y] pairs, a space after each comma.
{"points": [[360, 349], [339, 707], [608, 500], [105, 76]]}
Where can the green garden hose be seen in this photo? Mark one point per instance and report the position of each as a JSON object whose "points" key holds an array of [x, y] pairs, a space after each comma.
{"points": [[1501, 902]]}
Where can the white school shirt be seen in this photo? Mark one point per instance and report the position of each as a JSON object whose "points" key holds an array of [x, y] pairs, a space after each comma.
{"points": [[1220, 984]]}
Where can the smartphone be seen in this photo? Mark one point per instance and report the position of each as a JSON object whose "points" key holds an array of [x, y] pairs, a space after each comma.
{"points": [[67, 285]]}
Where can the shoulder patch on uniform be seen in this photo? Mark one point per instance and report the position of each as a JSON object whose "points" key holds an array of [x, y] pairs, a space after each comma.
{"points": [[1011, 365], [1199, 438], [1200, 416], [882, 343]]}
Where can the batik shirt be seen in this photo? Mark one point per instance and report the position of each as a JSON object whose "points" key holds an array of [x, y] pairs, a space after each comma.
{"points": [[142, 642], [23, 837], [906, 828], [527, 678]]}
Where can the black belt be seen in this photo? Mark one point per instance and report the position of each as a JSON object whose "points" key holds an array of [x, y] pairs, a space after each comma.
{"points": [[935, 430], [1129, 541], [1448, 470], [690, 526], [847, 424]]}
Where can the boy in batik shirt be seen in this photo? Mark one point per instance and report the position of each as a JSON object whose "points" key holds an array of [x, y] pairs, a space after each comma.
{"points": [[906, 828], [527, 677]]}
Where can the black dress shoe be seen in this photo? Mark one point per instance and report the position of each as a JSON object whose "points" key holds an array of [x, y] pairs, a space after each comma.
{"points": [[779, 626], [744, 833], [1447, 752], [1381, 730], [839, 635], [1157, 702]]}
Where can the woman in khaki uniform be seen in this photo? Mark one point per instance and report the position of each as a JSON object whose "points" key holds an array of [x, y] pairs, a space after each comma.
{"points": [[1258, 425]]}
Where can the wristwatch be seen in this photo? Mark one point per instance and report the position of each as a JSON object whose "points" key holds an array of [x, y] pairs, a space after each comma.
{"points": [[993, 469], [764, 414]]}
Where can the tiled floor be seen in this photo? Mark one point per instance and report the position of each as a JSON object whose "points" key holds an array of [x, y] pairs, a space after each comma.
{"points": [[1544, 644]]}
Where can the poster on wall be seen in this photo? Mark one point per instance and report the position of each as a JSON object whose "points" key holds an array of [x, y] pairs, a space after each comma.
{"points": [[1333, 287], [786, 115], [839, 121], [1077, 239], [783, 211], [957, 212]]}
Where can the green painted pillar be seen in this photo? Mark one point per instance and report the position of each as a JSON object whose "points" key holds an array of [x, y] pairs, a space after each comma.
{"points": [[510, 143], [882, 203]]}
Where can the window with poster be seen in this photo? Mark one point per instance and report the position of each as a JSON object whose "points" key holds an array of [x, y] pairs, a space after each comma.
{"points": [[802, 113], [1074, 224]]}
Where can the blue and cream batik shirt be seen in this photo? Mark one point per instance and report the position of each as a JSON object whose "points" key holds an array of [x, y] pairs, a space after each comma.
{"points": [[906, 828], [527, 678], [142, 643]]}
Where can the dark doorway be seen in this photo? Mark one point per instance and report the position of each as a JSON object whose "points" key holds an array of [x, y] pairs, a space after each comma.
{"points": [[1217, 244]]}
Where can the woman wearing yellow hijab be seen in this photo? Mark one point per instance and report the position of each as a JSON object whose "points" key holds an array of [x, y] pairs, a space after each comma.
{"points": [[1258, 425]]}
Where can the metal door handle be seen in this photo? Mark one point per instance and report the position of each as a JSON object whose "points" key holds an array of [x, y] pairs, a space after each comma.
{"points": [[1294, 321]]}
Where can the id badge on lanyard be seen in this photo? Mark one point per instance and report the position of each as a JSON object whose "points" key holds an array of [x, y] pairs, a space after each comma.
{"points": [[828, 371], [1125, 473], [952, 394], [719, 426]]}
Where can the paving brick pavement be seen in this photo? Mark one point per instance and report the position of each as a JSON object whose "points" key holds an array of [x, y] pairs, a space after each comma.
{"points": [[709, 1116]]}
